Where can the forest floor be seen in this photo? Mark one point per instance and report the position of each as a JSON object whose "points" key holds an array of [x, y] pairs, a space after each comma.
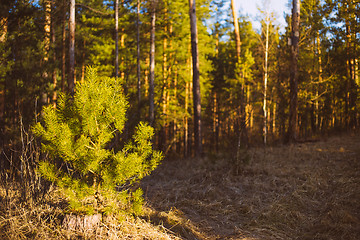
{"points": [[303, 191]]}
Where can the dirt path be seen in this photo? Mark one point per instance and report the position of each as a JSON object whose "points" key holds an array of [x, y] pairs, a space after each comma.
{"points": [[303, 191]]}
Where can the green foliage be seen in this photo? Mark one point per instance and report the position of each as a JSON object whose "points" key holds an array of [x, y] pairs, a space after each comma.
{"points": [[78, 135]]}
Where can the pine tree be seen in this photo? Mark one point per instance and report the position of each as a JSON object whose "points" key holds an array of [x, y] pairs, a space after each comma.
{"points": [[293, 112], [84, 163]]}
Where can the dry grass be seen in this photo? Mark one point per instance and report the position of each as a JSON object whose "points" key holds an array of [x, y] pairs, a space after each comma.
{"points": [[303, 191], [30, 210], [19, 220]]}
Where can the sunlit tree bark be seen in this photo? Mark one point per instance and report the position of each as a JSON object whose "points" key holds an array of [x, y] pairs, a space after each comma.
{"points": [[152, 63], [138, 50], [53, 42], [267, 22], [71, 77], [293, 116], [63, 49], [116, 3], [196, 79], [242, 139], [47, 39]]}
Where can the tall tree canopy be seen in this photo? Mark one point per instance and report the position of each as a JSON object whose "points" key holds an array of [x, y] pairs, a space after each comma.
{"points": [[320, 95]]}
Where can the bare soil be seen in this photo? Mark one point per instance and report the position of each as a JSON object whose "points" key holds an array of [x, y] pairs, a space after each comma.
{"points": [[303, 191]]}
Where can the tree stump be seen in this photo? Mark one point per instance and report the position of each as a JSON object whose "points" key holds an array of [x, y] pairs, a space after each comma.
{"points": [[82, 222]]}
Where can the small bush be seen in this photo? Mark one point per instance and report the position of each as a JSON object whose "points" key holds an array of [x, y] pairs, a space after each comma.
{"points": [[77, 135]]}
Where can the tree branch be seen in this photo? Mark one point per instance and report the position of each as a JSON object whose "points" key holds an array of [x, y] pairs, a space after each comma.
{"points": [[92, 9]]}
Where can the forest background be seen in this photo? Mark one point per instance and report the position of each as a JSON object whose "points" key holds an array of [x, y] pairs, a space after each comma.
{"points": [[35, 67]]}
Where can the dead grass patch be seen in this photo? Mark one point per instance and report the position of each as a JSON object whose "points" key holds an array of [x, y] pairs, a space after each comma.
{"points": [[302, 191], [21, 220]]}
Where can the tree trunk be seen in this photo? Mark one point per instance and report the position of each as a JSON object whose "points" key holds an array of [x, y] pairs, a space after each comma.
{"points": [[165, 90], [122, 45], [293, 116], [47, 38], [318, 85], [63, 54], [243, 139], [47, 29], [186, 122], [3, 35], [152, 63], [146, 76], [54, 74], [116, 39], [196, 79], [71, 78], [237, 31], [266, 76], [274, 119], [82, 79], [138, 50], [353, 40]]}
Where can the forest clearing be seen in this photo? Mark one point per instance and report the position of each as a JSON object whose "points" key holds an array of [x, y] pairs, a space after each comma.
{"points": [[303, 191], [173, 119]]}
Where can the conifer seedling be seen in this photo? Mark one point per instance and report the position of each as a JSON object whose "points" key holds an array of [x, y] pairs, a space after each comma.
{"points": [[77, 134]]}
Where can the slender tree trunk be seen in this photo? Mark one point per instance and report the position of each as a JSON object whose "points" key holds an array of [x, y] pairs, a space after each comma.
{"points": [[186, 121], [122, 45], [187, 97], [3, 35], [82, 79], [266, 76], [165, 84], [352, 59], [243, 139], [293, 116], [152, 63], [47, 39], [146, 76], [138, 51], [4, 28], [175, 102], [47, 29], [71, 78], [174, 96], [53, 39], [274, 119], [249, 110], [196, 79], [216, 123], [319, 82], [63, 54], [348, 74], [237, 31], [116, 39], [215, 100]]}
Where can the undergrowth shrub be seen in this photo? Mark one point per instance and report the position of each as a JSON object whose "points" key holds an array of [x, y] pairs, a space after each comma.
{"points": [[78, 135]]}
